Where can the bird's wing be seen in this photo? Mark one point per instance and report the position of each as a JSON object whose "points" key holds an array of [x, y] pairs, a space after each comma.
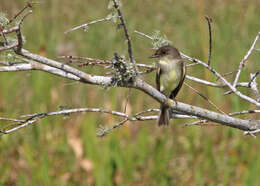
{"points": [[158, 73], [176, 90]]}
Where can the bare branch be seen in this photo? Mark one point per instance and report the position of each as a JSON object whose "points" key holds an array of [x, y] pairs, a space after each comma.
{"points": [[244, 112], [32, 118], [227, 74], [121, 17], [8, 47], [19, 34], [84, 26], [254, 77], [143, 86], [16, 45], [209, 20], [85, 61], [195, 123], [242, 63], [143, 34], [196, 111], [253, 85], [31, 65], [5, 38], [104, 131], [238, 93], [10, 119], [37, 62], [217, 85], [10, 30], [150, 68], [205, 98], [78, 110], [28, 5], [18, 126], [251, 133]]}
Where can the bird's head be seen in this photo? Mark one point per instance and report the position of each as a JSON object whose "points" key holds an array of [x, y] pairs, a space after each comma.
{"points": [[166, 51]]}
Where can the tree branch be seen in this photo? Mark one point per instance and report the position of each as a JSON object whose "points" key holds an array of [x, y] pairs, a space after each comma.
{"points": [[209, 20], [122, 19], [242, 63], [37, 62]]}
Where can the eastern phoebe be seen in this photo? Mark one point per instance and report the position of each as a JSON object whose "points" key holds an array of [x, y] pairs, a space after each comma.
{"points": [[169, 76]]}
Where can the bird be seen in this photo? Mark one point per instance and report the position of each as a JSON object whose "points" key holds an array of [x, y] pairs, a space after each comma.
{"points": [[170, 75]]}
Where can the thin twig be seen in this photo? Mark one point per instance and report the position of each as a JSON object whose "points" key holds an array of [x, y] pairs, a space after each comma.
{"points": [[253, 78], [121, 17], [16, 29], [19, 34], [10, 30], [78, 110], [5, 38], [252, 133], [143, 34], [31, 118], [195, 123], [104, 131], [8, 47], [227, 74], [18, 126], [209, 20], [254, 85], [244, 112], [242, 63], [204, 82], [238, 93], [102, 62], [10, 119], [28, 5], [127, 99], [191, 64], [205, 98], [88, 24], [147, 111]]}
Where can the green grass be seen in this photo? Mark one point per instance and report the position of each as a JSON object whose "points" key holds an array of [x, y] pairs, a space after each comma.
{"points": [[137, 153]]}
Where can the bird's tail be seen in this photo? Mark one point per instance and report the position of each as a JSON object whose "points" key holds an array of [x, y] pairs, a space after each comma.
{"points": [[163, 116]]}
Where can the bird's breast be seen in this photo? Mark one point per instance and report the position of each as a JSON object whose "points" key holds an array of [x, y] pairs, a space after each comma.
{"points": [[170, 77]]}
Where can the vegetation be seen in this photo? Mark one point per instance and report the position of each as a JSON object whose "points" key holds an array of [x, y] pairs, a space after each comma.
{"points": [[66, 151]]}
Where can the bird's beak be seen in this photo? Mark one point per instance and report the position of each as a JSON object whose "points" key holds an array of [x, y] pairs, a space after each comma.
{"points": [[154, 56]]}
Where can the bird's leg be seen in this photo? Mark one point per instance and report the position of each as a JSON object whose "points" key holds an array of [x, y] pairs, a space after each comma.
{"points": [[175, 102], [171, 110]]}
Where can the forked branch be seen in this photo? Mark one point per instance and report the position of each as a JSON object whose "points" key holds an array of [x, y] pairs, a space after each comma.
{"points": [[31, 61]]}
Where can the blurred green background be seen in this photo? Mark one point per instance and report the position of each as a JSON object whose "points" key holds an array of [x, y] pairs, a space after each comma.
{"points": [[66, 151]]}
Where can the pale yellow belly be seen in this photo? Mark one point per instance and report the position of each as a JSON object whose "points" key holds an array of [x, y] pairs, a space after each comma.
{"points": [[169, 81]]}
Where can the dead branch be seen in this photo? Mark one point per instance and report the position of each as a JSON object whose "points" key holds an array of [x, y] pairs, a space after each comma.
{"points": [[122, 76], [209, 20]]}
